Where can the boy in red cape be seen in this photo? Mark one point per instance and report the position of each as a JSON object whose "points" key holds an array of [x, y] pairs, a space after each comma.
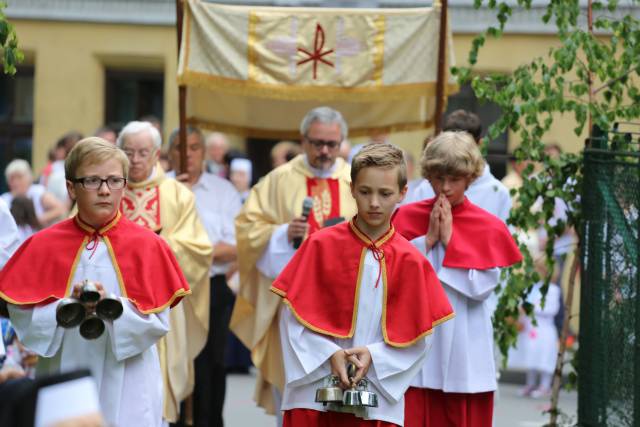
{"points": [[358, 292], [467, 246], [126, 261]]}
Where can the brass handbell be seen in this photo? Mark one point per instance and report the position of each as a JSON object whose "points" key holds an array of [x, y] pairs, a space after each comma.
{"points": [[109, 308], [89, 292], [91, 327], [70, 313], [367, 398], [331, 393], [351, 397]]}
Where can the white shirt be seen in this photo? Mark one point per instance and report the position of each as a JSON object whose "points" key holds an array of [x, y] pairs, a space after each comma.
{"points": [[306, 355], [217, 203], [9, 237], [461, 359], [123, 361], [35, 193], [486, 192]]}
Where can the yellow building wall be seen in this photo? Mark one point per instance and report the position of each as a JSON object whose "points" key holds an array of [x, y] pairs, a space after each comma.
{"points": [[69, 62], [70, 58]]}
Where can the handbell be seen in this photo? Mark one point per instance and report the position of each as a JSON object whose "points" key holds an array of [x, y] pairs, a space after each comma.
{"points": [[89, 292], [367, 398], [91, 327], [351, 397], [70, 313], [331, 393], [109, 308]]}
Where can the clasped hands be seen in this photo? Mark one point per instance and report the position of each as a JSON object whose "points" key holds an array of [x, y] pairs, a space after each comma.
{"points": [[359, 356], [440, 223], [90, 306]]}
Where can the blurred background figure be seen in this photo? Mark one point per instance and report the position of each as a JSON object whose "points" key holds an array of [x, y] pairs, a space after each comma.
{"points": [[155, 122], [345, 149], [284, 151], [379, 138], [412, 181], [240, 176], [107, 133], [19, 177], [56, 183], [537, 346], [24, 213], [216, 146]]}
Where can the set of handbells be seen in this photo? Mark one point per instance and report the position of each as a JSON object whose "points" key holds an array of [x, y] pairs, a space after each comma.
{"points": [[72, 312], [358, 396]]}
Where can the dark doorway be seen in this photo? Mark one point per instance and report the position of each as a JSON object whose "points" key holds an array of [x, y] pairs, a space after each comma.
{"points": [[16, 119], [131, 95]]}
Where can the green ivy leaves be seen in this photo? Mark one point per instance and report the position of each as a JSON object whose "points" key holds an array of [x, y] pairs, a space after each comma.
{"points": [[11, 55]]}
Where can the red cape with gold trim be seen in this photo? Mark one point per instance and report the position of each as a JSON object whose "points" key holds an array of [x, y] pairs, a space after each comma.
{"points": [[42, 268], [321, 284], [479, 239]]}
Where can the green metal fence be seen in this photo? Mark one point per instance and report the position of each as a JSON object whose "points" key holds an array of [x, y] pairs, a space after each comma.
{"points": [[609, 355]]}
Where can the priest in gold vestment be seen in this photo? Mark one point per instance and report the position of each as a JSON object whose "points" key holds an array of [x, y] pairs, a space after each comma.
{"points": [[266, 229], [168, 208]]}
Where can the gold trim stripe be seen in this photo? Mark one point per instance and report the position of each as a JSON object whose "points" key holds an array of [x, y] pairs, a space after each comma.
{"points": [[253, 88], [378, 42], [180, 293], [251, 132]]}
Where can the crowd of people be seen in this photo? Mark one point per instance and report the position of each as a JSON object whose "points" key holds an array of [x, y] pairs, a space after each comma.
{"points": [[339, 262]]}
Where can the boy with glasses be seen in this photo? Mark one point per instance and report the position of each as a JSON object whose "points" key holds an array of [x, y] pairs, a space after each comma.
{"points": [[124, 261]]}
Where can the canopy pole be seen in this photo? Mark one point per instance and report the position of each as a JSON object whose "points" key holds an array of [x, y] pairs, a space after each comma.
{"points": [[442, 63], [182, 95]]}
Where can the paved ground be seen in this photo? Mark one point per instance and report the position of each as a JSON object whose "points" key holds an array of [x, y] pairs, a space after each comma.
{"points": [[511, 410]]}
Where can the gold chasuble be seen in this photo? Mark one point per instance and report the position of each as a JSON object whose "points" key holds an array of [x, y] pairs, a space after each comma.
{"points": [[168, 208], [276, 200]]}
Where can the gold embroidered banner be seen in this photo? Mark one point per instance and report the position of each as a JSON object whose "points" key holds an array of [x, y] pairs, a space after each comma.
{"points": [[257, 70]]}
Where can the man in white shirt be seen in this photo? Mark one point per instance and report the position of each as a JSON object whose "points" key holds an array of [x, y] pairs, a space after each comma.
{"points": [[217, 203]]}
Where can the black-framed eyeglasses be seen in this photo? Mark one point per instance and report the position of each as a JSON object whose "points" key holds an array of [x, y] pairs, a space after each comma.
{"points": [[319, 143], [95, 182]]}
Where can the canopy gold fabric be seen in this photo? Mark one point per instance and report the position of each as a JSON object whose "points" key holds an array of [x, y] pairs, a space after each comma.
{"points": [[256, 71]]}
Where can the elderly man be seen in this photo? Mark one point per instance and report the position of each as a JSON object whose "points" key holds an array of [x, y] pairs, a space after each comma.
{"points": [[216, 147], [218, 203], [20, 179], [168, 208], [267, 228]]}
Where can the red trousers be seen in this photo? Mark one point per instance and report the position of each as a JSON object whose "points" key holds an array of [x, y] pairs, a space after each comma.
{"points": [[425, 407], [312, 418]]}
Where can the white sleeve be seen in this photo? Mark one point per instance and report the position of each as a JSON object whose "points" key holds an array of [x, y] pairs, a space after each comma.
{"points": [[134, 332], [505, 205], [474, 284], [277, 254], [37, 328], [304, 352], [234, 205], [393, 369], [9, 239]]}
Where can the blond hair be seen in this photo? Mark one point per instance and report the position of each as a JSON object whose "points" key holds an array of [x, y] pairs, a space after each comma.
{"points": [[452, 153], [91, 151], [385, 156]]}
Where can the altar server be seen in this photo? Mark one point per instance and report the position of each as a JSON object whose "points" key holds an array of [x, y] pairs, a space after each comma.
{"points": [[467, 246], [358, 292]]}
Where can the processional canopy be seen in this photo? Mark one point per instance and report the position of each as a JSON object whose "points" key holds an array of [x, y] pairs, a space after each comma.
{"points": [[256, 71]]}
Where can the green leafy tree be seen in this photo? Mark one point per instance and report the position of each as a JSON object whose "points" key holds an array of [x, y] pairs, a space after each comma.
{"points": [[590, 77], [11, 55]]}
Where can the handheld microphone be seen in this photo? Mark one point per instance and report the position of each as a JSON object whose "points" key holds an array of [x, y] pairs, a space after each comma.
{"points": [[307, 205]]}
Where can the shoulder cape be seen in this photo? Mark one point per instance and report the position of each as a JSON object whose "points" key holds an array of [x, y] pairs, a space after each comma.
{"points": [[42, 269], [479, 239], [321, 285]]}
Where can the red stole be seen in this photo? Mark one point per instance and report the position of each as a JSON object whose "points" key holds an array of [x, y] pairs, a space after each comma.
{"points": [[142, 206], [42, 269], [479, 240], [321, 285], [326, 201]]}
